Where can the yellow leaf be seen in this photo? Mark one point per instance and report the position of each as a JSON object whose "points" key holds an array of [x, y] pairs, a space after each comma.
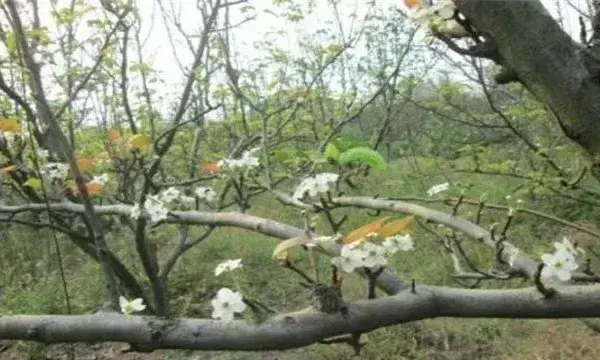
{"points": [[84, 164], [71, 185], [301, 94], [335, 48], [9, 125], [397, 226], [281, 250], [363, 231], [33, 183], [140, 142]]}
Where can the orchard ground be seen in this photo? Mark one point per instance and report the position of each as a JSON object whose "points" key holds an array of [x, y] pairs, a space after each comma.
{"points": [[193, 283]]}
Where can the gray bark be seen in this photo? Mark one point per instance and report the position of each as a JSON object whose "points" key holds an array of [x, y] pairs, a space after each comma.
{"points": [[561, 73], [305, 327]]}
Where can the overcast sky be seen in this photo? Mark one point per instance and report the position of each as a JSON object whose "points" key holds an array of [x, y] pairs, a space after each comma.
{"points": [[265, 25]]}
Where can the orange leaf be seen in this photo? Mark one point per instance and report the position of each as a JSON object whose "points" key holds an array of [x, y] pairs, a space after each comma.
{"points": [[211, 168], [300, 94], [84, 164], [361, 232], [94, 188], [8, 169], [113, 134], [397, 226], [412, 3], [9, 125]]}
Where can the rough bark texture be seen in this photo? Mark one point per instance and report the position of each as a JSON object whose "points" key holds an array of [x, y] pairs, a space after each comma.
{"points": [[560, 72]]}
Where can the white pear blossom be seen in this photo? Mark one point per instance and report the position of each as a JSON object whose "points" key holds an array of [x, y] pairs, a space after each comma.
{"points": [[559, 265], [54, 170], [566, 245], [228, 265], [443, 8], [102, 179], [43, 154], [129, 307], [135, 212], [11, 139], [205, 193], [375, 255], [226, 303], [423, 12], [155, 208], [170, 194], [351, 257], [419, 14], [438, 188], [393, 244], [187, 200], [320, 183], [246, 161]]}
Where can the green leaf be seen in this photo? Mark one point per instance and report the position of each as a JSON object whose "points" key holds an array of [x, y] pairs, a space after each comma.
{"points": [[364, 155], [33, 182], [332, 152], [11, 43], [347, 143]]}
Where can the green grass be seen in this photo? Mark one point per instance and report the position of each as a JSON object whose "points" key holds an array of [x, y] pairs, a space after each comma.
{"points": [[32, 289]]}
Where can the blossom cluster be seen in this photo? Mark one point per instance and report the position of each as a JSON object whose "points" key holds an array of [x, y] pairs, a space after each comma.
{"points": [[438, 17], [442, 8], [155, 206], [561, 264], [206, 193], [247, 161], [54, 171], [369, 254], [318, 184]]}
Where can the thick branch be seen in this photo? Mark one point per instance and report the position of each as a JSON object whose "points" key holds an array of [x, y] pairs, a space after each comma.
{"points": [[305, 327], [560, 72]]}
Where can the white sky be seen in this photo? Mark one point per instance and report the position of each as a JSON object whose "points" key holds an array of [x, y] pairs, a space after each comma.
{"points": [[164, 57], [266, 24]]}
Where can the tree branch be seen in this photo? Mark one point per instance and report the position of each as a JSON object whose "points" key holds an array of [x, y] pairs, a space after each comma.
{"points": [[558, 71], [387, 281], [305, 327]]}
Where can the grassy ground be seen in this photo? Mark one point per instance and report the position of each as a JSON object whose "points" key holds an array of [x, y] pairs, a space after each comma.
{"points": [[31, 283]]}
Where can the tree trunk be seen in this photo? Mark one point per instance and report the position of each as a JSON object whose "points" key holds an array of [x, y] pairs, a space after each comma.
{"points": [[563, 74]]}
